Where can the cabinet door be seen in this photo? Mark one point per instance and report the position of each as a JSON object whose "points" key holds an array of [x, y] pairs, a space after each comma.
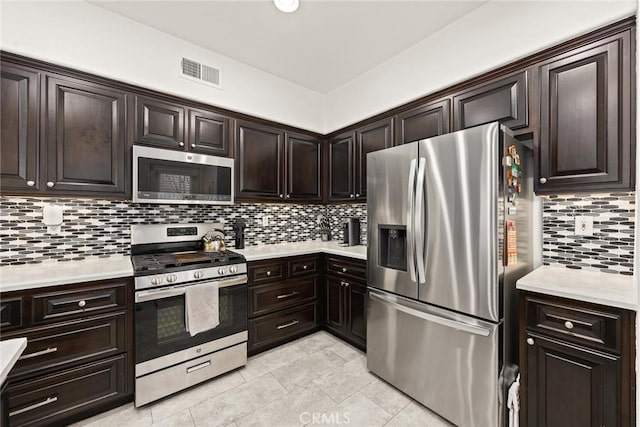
{"points": [[503, 100], [423, 122], [568, 385], [341, 164], [303, 168], [19, 124], [585, 122], [356, 312], [159, 123], [335, 304], [208, 133], [374, 137], [86, 148], [259, 157]]}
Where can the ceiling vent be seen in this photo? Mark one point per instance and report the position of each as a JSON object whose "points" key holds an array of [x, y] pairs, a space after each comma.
{"points": [[206, 74]]}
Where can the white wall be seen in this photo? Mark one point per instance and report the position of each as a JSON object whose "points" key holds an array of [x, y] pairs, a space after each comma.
{"points": [[86, 37], [495, 34]]}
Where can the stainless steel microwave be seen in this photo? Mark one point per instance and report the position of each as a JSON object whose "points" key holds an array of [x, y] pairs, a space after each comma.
{"points": [[176, 177]]}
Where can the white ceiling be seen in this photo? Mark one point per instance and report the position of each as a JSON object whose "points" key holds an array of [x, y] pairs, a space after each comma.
{"points": [[321, 46]]}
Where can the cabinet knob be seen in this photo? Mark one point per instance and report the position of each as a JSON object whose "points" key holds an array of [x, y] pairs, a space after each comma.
{"points": [[193, 145], [357, 195], [344, 269], [346, 284], [288, 196], [50, 184], [82, 303], [568, 325], [543, 180], [268, 273], [351, 195], [342, 283], [31, 183], [304, 267], [181, 144], [282, 196], [530, 341]]}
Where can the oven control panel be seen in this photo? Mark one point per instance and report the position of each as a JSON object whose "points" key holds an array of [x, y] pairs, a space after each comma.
{"points": [[177, 277]]}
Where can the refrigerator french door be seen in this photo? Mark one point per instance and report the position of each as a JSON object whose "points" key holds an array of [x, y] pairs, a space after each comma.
{"points": [[441, 289]]}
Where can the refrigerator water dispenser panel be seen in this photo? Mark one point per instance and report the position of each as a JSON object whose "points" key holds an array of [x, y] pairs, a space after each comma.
{"points": [[392, 251]]}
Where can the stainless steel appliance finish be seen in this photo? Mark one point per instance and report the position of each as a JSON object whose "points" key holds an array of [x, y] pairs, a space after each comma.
{"points": [[177, 177], [167, 261], [441, 308]]}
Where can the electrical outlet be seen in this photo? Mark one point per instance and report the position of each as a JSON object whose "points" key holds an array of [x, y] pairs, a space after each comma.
{"points": [[265, 220], [584, 226]]}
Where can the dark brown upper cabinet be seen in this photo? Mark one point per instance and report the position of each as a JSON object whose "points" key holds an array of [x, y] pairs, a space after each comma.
{"points": [[341, 165], [585, 118], [19, 140], [304, 168], [374, 137], [259, 155], [159, 123], [208, 133], [85, 145], [504, 99], [424, 121]]}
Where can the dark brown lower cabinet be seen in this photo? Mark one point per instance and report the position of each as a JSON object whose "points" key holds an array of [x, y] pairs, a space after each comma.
{"points": [[577, 363], [4, 404]]}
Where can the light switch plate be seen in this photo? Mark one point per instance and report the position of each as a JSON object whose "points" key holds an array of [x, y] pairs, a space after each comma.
{"points": [[584, 226]]}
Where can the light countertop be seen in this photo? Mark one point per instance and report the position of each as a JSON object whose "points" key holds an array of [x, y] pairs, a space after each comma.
{"points": [[278, 250], [10, 350], [29, 276], [614, 290]]}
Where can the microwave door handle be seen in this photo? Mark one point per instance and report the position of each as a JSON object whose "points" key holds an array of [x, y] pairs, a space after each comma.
{"points": [[421, 221], [411, 193]]}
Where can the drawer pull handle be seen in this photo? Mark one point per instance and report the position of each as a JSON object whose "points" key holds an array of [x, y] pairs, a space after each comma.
{"points": [[304, 267], [344, 269], [286, 325], [199, 366], [530, 341], [292, 294], [268, 273], [82, 303], [34, 406], [568, 325], [38, 353]]}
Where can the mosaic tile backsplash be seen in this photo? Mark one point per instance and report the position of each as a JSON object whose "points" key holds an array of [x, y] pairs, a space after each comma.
{"points": [[610, 249], [96, 227]]}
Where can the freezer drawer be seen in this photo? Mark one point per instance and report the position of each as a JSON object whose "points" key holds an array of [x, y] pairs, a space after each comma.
{"points": [[446, 361]]}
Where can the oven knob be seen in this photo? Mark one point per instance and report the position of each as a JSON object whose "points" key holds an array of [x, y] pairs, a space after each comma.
{"points": [[172, 278], [197, 274], [221, 271], [233, 269], [156, 280]]}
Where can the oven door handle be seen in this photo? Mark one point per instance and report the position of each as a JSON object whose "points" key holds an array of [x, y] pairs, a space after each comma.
{"points": [[151, 295]]}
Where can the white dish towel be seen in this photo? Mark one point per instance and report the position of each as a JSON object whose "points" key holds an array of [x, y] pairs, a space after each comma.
{"points": [[201, 307]]}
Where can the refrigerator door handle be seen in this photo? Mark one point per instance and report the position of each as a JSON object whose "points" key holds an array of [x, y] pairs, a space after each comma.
{"points": [[420, 221], [451, 323], [410, 220]]}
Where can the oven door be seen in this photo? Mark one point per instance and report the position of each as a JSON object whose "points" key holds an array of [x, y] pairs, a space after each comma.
{"points": [[160, 319], [165, 176]]}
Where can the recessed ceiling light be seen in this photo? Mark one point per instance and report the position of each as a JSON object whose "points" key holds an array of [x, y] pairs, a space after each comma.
{"points": [[287, 6]]}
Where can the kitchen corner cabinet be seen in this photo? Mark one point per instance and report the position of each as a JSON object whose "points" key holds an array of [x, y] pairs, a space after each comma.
{"points": [[283, 300], [577, 363], [175, 126], [303, 168], [504, 99], [345, 299], [425, 121], [79, 356], [587, 117], [347, 154]]}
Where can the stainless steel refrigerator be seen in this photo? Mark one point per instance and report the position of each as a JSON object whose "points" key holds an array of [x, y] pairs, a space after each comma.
{"points": [[450, 229]]}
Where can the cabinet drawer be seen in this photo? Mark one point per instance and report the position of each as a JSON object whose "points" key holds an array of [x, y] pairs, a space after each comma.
{"points": [[50, 399], [10, 314], [63, 305], [270, 297], [304, 266], [580, 323], [77, 341], [352, 269], [271, 328], [267, 271]]}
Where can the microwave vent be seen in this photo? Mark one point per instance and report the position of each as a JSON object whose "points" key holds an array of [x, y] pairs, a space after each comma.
{"points": [[196, 71]]}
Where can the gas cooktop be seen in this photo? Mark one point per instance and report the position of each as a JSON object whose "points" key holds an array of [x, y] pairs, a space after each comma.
{"points": [[159, 262]]}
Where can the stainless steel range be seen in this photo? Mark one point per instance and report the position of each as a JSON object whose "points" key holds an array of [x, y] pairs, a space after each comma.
{"points": [[167, 260]]}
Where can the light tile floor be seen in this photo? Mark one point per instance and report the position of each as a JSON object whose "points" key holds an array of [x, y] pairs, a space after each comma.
{"points": [[316, 380]]}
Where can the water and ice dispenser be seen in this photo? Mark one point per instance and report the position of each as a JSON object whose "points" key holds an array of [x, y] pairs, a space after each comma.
{"points": [[392, 250]]}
